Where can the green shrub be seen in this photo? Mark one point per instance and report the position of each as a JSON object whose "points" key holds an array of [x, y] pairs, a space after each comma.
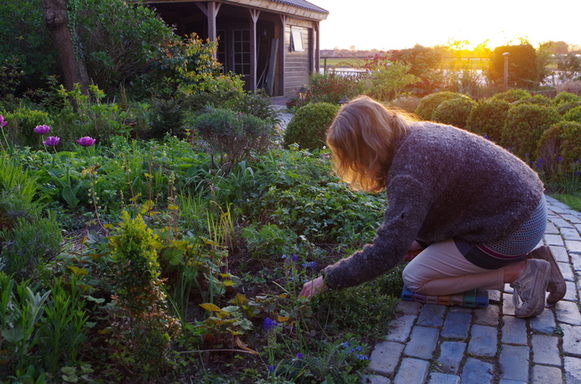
{"points": [[563, 108], [512, 95], [269, 241], [257, 104], [488, 117], [309, 125], [454, 112], [525, 125], [408, 104], [167, 118], [142, 329], [523, 71], [233, 136], [560, 145], [536, 99], [28, 242], [21, 124], [430, 103], [573, 114], [331, 88], [565, 98]]}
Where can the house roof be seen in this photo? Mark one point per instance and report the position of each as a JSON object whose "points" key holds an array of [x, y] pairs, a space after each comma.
{"points": [[302, 4], [297, 8]]}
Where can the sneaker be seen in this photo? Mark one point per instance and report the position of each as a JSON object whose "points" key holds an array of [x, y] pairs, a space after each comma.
{"points": [[557, 287], [530, 288]]}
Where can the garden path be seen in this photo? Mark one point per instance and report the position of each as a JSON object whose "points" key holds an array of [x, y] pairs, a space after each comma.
{"points": [[437, 344]]}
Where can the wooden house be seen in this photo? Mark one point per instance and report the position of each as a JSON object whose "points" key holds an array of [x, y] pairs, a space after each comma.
{"points": [[272, 44]]}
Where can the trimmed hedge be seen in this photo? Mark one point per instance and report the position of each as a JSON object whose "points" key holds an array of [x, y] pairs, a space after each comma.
{"points": [[454, 112], [308, 127], [430, 103], [488, 117], [525, 125]]}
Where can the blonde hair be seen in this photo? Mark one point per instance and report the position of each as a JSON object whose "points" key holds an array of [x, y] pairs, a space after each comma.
{"points": [[361, 138]]}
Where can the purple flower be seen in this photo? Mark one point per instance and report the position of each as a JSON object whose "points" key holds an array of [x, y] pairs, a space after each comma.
{"points": [[295, 258], [2, 121], [270, 368], [41, 129], [51, 141], [86, 141], [269, 324], [299, 355]]}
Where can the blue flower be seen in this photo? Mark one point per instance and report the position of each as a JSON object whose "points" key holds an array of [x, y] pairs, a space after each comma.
{"points": [[269, 324], [345, 344], [283, 257], [362, 357], [299, 355], [270, 368], [295, 258]]}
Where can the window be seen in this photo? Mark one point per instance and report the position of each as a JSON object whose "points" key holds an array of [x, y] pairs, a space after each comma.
{"points": [[296, 40]]}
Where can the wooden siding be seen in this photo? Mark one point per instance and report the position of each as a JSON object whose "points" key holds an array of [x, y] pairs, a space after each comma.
{"points": [[298, 64]]}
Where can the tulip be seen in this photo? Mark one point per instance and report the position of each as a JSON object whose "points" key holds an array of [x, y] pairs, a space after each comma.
{"points": [[51, 141], [86, 141], [42, 129], [2, 121]]}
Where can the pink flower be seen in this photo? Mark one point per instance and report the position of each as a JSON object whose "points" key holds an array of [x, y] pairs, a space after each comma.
{"points": [[2, 121], [51, 141], [42, 129], [86, 141]]}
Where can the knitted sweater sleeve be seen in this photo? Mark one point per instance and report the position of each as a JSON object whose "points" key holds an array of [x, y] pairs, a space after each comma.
{"points": [[407, 209]]}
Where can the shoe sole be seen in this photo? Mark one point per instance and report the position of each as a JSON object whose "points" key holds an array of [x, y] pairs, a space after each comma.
{"points": [[544, 269], [555, 278]]}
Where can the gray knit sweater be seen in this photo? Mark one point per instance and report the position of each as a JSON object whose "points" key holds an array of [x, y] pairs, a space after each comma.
{"points": [[443, 183]]}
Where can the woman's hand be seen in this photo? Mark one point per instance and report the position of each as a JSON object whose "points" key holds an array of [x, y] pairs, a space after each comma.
{"points": [[414, 250], [313, 287]]}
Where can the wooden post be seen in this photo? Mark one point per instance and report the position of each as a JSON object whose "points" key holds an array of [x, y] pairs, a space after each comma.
{"points": [[506, 55], [211, 11], [253, 49]]}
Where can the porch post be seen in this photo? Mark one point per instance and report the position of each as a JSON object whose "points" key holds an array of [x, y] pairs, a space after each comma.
{"points": [[317, 47], [253, 49], [211, 10], [282, 52]]}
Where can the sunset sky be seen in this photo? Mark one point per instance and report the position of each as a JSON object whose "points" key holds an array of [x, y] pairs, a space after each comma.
{"points": [[382, 24]]}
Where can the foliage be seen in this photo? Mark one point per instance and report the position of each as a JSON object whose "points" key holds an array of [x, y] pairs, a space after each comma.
{"points": [[430, 103], [523, 71], [525, 125], [536, 99], [233, 136], [559, 147], [83, 115], [117, 49], [512, 95], [41, 328], [565, 98], [28, 243], [573, 114], [567, 106], [570, 67], [487, 118], [27, 56], [309, 125], [424, 63], [454, 112], [269, 240], [408, 104], [20, 126], [141, 328], [389, 80], [188, 67], [332, 87]]}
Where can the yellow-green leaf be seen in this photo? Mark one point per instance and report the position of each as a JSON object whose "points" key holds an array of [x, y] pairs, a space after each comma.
{"points": [[210, 307]]}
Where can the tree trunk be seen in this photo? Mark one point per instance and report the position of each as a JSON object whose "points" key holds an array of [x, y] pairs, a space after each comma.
{"points": [[74, 71]]}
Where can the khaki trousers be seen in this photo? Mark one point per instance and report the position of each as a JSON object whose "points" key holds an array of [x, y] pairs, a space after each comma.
{"points": [[441, 269]]}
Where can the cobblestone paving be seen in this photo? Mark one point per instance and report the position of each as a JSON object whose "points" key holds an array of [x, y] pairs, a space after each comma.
{"points": [[436, 344]]}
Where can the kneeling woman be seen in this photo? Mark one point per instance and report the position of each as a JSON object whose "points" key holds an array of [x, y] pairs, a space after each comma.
{"points": [[471, 211]]}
